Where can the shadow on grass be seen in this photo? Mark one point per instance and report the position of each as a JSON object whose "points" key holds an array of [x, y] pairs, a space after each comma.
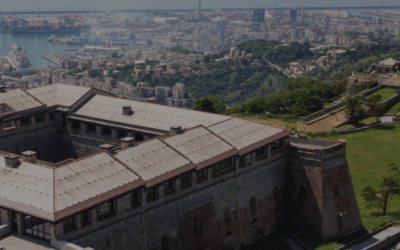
{"points": [[313, 241], [386, 127]]}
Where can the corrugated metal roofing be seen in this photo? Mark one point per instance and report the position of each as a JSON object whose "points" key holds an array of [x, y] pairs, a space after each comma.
{"points": [[87, 178], [198, 144], [146, 114], [29, 185], [151, 159], [241, 133], [19, 100], [58, 94]]}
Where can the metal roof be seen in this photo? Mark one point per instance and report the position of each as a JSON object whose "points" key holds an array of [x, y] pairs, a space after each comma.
{"points": [[151, 159], [241, 133], [87, 178], [19, 100], [198, 144], [28, 185], [146, 115], [58, 94]]}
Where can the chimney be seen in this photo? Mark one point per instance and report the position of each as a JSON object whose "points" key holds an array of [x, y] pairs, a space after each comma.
{"points": [[127, 142], [12, 161], [29, 156], [127, 110], [110, 148], [175, 130], [2, 89]]}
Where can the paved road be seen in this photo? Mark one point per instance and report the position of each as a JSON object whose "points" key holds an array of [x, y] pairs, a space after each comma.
{"points": [[377, 237]]}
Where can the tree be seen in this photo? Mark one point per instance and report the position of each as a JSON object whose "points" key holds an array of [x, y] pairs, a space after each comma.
{"points": [[354, 108], [389, 187], [219, 103], [204, 104], [376, 107]]}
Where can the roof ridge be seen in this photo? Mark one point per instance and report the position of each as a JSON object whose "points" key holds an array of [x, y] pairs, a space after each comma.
{"points": [[176, 150], [123, 164]]}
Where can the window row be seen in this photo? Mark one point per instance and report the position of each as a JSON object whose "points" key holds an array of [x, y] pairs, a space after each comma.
{"points": [[104, 130], [26, 121], [263, 151]]}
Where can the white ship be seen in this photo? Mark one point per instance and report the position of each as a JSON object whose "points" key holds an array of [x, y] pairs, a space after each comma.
{"points": [[18, 58]]}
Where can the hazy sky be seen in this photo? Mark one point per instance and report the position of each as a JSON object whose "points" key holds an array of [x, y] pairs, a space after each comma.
{"points": [[33, 5]]}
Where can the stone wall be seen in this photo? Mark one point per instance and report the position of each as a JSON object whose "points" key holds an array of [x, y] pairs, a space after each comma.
{"points": [[231, 209]]}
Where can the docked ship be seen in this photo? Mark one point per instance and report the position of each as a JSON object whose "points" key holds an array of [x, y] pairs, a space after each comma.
{"points": [[44, 30], [19, 58]]}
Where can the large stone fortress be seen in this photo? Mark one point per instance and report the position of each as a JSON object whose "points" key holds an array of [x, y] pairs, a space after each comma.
{"points": [[82, 166]]}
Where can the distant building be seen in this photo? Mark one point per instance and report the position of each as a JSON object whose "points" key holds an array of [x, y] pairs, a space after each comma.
{"points": [[259, 16], [293, 15], [385, 66], [220, 24], [163, 91], [327, 21]]}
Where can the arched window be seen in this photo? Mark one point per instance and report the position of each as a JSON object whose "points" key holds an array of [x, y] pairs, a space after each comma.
{"points": [[197, 226], [336, 190]]}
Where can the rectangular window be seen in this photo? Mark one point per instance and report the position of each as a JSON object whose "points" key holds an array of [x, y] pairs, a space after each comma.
{"points": [[39, 118], [106, 130], [25, 121], [261, 151], [8, 125], [185, 178], [169, 185], [76, 124], [91, 127], [84, 217], [52, 116], [245, 160], [201, 174], [122, 133], [135, 197], [221, 165], [276, 145], [69, 222], [105, 208], [151, 192]]}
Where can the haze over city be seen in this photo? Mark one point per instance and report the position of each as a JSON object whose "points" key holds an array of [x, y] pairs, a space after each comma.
{"points": [[199, 125], [48, 5]]}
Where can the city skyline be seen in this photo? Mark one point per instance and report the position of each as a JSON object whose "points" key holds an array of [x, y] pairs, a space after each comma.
{"points": [[90, 5]]}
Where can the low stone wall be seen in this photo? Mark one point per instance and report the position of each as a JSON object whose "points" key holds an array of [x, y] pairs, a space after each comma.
{"points": [[392, 101], [383, 244], [319, 113], [364, 237]]}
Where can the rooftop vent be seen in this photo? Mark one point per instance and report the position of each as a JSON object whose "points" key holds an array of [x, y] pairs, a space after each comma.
{"points": [[2, 89], [127, 110], [110, 148], [176, 130], [29, 156], [12, 161], [127, 142]]}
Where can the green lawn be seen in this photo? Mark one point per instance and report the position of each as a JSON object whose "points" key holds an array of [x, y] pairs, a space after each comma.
{"points": [[368, 153], [366, 75], [394, 109], [386, 93]]}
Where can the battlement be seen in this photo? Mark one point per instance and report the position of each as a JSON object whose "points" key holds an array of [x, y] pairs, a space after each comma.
{"points": [[304, 148]]}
